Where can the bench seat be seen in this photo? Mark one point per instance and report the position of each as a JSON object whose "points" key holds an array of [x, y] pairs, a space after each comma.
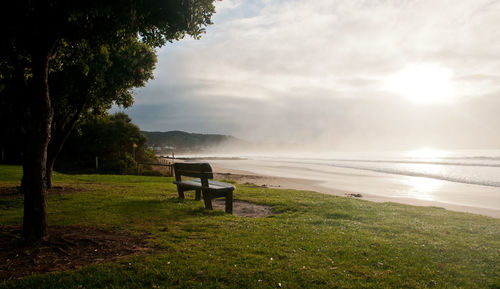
{"points": [[196, 184]]}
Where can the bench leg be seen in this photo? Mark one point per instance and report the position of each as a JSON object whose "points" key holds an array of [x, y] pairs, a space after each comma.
{"points": [[198, 195], [180, 192], [229, 202], [208, 201]]}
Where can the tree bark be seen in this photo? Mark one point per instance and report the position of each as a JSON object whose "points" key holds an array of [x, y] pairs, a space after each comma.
{"points": [[39, 118], [50, 168]]}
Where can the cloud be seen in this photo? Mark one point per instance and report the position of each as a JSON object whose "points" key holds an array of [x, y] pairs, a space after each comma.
{"points": [[315, 70]]}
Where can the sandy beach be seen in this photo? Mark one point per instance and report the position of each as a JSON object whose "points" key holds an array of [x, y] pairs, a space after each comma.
{"points": [[371, 186]]}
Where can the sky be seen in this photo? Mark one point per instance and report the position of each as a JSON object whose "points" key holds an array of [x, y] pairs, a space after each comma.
{"points": [[346, 75]]}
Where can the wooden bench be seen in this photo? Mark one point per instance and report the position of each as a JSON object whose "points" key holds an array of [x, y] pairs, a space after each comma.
{"points": [[203, 184]]}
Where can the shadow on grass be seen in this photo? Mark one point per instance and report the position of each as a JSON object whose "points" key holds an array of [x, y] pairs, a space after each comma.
{"points": [[14, 203], [160, 210]]}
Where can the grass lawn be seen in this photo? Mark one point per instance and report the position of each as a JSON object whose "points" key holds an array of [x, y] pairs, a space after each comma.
{"points": [[312, 240]]}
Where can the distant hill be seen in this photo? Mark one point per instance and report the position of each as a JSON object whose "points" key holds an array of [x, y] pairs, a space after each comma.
{"points": [[185, 142]]}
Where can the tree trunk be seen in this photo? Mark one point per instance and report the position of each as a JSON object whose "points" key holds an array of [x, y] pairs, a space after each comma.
{"points": [[50, 168], [53, 150], [34, 183]]}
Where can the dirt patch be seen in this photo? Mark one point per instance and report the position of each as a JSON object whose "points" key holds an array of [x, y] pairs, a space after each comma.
{"points": [[9, 192], [13, 191], [244, 209], [67, 248]]}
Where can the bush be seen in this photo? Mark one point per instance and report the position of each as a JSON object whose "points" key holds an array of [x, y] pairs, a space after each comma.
{"points": [[114, 139]]}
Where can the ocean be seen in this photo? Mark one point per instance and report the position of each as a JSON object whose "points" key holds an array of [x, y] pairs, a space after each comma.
{"points": [[478, 167], [469, 178]]}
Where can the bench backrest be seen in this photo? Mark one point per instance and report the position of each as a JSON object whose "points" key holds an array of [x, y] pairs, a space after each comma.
{"points": [[194, 170]]}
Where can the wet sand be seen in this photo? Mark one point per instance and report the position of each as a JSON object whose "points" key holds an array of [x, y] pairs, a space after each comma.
{"points": [[375, 187]]}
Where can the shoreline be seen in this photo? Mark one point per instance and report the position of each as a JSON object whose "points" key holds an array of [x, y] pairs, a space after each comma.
{"points": [[278, 182]]}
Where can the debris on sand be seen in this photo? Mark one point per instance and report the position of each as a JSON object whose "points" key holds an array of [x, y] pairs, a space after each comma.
{"points": [[354, 195]]}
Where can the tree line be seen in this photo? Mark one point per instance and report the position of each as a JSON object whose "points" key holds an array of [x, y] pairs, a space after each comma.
{"points": [[105, 143]]}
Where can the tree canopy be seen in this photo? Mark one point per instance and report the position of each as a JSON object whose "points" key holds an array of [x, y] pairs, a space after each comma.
{"points": [[39, 36], [88, 80]]}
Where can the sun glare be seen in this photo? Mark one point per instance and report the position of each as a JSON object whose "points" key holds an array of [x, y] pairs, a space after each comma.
{"points": [[425, 83], [427, 153]]}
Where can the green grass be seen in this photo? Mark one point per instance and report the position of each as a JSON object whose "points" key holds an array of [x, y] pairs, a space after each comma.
{"points": [[313, 240]]}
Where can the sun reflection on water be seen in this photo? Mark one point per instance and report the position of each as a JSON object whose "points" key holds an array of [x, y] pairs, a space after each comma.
{"points": [[422, 188]]}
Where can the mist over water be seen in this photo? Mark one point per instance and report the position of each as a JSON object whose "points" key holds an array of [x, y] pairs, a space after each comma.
{"points": [[479, 167], [464, 178]]}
